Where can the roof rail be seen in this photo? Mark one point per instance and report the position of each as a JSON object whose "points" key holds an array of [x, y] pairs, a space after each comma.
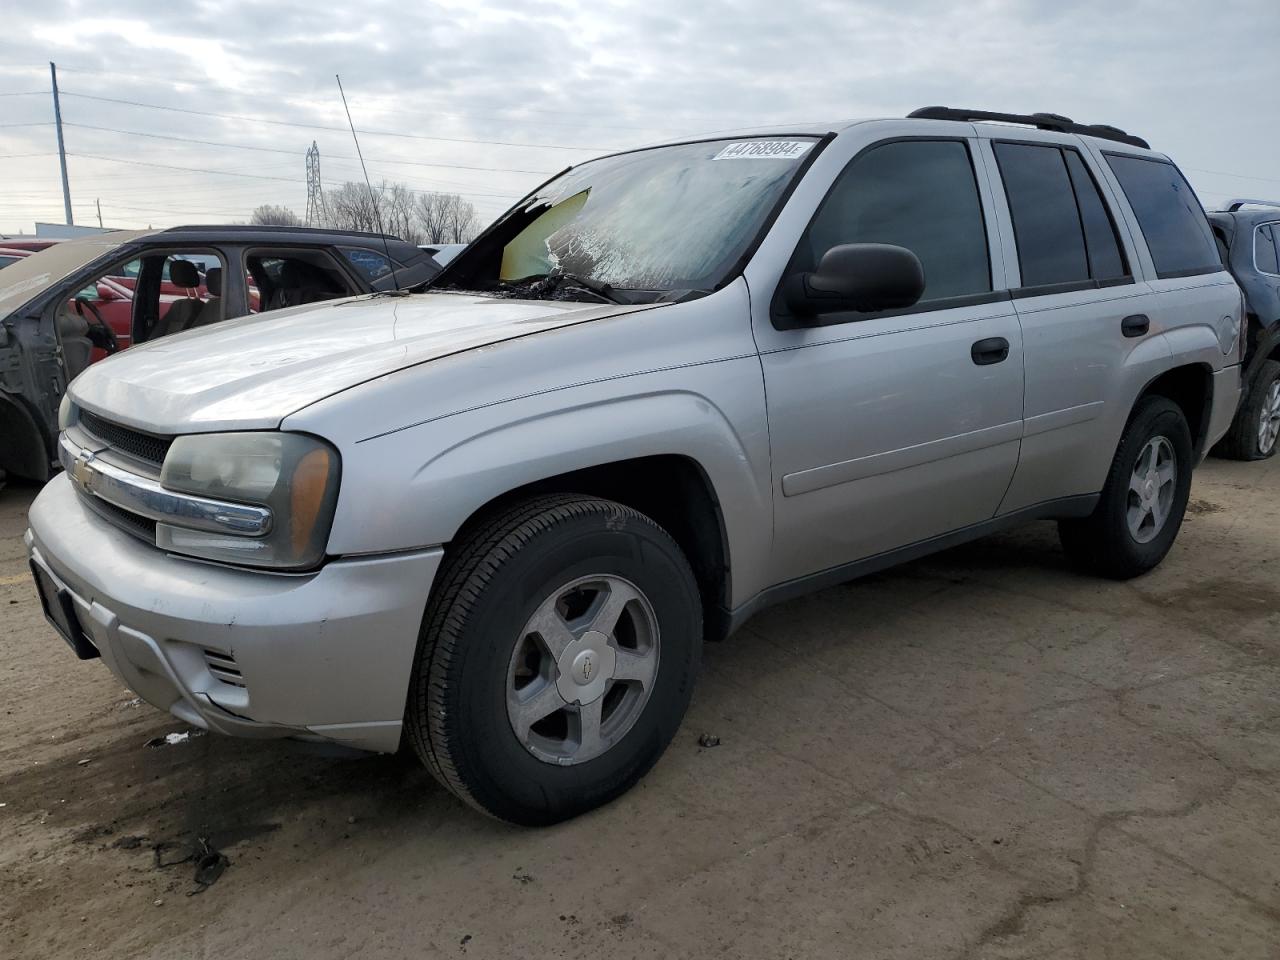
{"points": [[1041, 121], [1232, 206]]}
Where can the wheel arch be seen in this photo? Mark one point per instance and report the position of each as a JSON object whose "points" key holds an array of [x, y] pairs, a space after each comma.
{"points": [[672, 489], [26, 452], [1190, 386]]}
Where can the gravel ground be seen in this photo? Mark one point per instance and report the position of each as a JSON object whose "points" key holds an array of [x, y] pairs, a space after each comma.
{"points": [[981, 754]]}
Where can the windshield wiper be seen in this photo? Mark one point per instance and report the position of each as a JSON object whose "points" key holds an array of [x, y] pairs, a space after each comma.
{"points": [[548, 286]]}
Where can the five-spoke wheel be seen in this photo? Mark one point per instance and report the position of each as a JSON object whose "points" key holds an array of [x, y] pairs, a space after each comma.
{"points": [[582, 669], [556, 659]]}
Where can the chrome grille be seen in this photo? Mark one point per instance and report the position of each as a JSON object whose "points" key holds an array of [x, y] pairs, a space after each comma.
{"points": [[135, 443]]}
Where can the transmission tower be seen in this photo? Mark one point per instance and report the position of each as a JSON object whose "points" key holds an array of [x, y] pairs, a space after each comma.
{"points": [[316, 216]]}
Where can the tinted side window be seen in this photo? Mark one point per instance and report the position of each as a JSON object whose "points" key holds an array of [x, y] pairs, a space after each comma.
{"points": [[1264, 249], [371, 265], [918, 194], [1046, 223], [1171, 218], [1106, 262]]}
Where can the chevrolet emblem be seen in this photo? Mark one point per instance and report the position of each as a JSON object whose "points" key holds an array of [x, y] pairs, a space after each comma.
{"points": [[81, 472]]}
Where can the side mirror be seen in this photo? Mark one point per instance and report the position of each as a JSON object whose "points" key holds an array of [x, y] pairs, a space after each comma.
{"points": [[857, 276]]}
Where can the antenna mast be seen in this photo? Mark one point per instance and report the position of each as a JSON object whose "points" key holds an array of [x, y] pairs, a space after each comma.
{"points": [[373, 197]]}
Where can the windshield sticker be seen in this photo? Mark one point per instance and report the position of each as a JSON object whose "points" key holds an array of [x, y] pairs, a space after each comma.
{"points": [[765, 150]]}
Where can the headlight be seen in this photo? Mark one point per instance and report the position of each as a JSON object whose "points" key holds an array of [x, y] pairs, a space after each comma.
{"points": [[293, 475], [64, 412]]}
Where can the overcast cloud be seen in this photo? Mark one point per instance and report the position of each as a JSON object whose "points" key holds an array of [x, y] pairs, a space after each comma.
{"points": [[1201, 81]]}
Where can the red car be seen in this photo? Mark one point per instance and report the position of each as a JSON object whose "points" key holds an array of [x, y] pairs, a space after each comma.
{"points": [[14, 249]]}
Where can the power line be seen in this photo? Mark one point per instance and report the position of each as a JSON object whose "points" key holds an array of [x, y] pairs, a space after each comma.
{"points": [[1239, 176], [42, 123], [25, 93], [315, 126], [185, 86], [292, 153], [231, 173]]}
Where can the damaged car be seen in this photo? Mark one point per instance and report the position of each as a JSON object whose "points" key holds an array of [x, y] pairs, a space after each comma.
{"points": [[494, 521], [79, 301]]}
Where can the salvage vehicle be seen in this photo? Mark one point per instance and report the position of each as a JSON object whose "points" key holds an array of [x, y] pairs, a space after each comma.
{"points": [[1249, 240], [80, 300], [498, 518]]}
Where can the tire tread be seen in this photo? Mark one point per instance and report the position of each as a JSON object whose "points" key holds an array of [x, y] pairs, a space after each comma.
{"points": [[468, 568]]}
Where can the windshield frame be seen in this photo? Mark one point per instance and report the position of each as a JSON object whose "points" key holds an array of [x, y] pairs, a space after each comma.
{"points": [[483, 245]]}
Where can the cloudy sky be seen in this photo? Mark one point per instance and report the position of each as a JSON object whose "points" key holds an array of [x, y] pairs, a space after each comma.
{"points": [[486, 98]]}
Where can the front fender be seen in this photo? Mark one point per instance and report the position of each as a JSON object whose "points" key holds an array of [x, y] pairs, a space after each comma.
{"points": [[417, 486]]}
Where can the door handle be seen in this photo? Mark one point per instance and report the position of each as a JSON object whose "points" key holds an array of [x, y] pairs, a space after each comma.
{"points": [[1135, 326], [989, 351]]}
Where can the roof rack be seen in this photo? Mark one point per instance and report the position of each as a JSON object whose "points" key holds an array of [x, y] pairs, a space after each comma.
{"points": [[1041, 121], [1232, 206]]}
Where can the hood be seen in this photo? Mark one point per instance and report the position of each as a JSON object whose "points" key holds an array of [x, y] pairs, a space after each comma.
{"points": [[252, 372]]}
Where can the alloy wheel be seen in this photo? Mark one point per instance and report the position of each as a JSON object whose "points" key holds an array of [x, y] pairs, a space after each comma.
{"points": [[583, 669], [1151, 489], [1269, 420]]}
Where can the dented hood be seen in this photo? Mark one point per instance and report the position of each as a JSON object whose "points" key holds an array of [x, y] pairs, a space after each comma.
{"points": [[252, 372]]}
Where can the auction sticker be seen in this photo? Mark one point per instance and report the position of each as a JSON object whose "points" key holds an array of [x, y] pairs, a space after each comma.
{"points": [[765, 150]]}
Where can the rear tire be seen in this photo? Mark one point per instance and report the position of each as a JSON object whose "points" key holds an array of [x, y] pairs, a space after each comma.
{"points": [[1144, 499], [1255, 431], [558, 596]]}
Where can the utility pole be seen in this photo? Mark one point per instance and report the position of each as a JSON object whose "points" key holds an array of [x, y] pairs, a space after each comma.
{"points": [[62, 150], [97, 202]]}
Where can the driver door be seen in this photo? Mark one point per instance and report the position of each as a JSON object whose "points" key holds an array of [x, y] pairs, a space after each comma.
{"points": [[893, 428]]}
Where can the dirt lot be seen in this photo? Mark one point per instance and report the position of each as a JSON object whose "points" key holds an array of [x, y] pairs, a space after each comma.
{"points": [[978, 755]]}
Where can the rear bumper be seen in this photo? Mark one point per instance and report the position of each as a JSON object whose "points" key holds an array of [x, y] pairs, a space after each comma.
{"points": [[1226, 400], [326, 655]]}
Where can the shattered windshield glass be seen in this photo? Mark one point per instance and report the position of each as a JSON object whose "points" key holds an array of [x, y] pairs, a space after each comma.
{"points": [[668, 219]]}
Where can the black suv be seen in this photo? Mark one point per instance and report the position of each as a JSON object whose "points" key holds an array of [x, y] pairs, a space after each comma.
{"points": [[80, 300], [1248, 235]]}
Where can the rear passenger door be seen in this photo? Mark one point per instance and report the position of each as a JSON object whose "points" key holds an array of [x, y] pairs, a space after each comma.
{"points": [[1073, 287], [891, 428]]}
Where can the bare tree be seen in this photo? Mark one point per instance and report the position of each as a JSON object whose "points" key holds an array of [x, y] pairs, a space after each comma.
{"points": [[271, 215], [398, 212], [419, 217], [353, 206], [446, 218]]}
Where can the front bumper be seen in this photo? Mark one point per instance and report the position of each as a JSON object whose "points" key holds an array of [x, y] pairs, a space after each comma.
{"points": [[326, 655]]}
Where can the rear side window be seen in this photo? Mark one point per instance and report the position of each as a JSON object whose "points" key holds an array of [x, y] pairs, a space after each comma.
{"points": [[1046, 223], [1264, 249], [918, 194], [1106, 262], [1060, 223], [1172, 220]]}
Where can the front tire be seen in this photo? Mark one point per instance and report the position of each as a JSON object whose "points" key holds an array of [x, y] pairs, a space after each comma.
{"points": [[1144, 499], [1255, 431], [556, 659]]}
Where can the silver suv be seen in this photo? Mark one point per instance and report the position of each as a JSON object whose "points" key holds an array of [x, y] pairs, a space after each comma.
{"points": [[498, 518]]}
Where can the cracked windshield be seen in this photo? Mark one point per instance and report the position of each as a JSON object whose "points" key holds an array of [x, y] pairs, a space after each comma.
{"points": [[640, 226]]}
